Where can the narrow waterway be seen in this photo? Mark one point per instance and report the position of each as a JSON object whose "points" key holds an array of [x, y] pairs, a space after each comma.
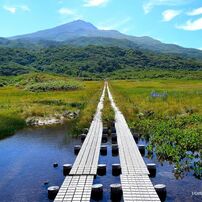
{"points": [[26, 162]]}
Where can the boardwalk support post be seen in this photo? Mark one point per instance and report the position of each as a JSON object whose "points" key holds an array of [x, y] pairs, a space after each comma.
{"points": [[101, 169], [116, 192], [142, 149], [52, 192], [66, 169], [83, 137], [115, 149], [103, 150], [116, 169], [114, 138], [104, 138], [113, 130], [161, 191], [152, 169], [97, 192], [77, 149]]}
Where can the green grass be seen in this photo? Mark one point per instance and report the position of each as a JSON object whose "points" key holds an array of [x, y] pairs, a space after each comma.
{"points": [[17, 103], [93, 93], [168, 113], [107, 112]]}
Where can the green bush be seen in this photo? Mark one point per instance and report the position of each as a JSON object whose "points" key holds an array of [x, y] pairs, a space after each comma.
{"points": [[53, 86]]}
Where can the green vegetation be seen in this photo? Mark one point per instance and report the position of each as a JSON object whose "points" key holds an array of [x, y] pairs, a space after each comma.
{"points": [[107, 112], [154, 74], [94, 92], [168, 113], [54, 86], [10, 122], [97, 62], [18, 103]]}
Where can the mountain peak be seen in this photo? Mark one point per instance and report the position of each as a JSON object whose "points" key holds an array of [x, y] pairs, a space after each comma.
{"points": [[79, 25]]}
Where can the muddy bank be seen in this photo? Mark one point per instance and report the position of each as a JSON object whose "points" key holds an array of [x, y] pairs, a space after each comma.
{"points": [[53, 119]]}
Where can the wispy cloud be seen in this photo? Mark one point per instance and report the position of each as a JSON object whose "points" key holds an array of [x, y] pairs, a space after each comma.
{"points": [[112, 24], [116, 25], [170, 14], [148, 5], [66, 11], [194, 12], [95, 3], [14, 9], [10, 9], [70, 13], [191, 25]]}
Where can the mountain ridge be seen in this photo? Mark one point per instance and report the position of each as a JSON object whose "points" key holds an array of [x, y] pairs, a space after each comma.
{"points": [[77, 30]]}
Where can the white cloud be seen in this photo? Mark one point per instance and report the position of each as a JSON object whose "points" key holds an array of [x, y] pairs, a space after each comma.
{"points": [[95, 3], [148, 5], [66, 11], [200, 49], [70, 13], [10, 9], [169, 14], [112, 24], [197, 11], [14, 9], [191, 25]]}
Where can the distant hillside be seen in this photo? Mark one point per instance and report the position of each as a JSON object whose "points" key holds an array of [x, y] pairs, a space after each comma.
{"points": [[88, 61], [24, 43], [83, 33]]}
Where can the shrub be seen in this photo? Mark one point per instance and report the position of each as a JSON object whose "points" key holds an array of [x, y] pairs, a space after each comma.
{"points": [[53, 86]]}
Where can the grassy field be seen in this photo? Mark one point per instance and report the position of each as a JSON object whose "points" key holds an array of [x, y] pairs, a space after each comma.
{"points": [[44, 95], [168, 113]]}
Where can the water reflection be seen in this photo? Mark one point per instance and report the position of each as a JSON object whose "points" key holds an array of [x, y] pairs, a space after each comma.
{"points": [[26, 163], [27, 159]]}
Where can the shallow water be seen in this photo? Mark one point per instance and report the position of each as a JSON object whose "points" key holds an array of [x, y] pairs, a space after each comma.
{"points": [[26, 162]]}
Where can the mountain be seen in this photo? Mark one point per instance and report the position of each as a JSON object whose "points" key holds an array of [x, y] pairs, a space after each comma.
{"points": [[70, 30], [81, 33]]}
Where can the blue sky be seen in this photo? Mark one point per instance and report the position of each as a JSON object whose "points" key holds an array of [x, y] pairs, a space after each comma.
{"points": [[170, 21]]}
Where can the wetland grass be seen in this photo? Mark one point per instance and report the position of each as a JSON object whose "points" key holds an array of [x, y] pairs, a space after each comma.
{"points": [[169, 115], [17, 103]]}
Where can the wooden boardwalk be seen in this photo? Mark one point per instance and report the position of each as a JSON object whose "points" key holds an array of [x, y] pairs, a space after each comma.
{"points": [[135, 181], [77, 187]]}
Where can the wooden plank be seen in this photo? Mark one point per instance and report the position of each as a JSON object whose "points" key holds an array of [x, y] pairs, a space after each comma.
{"points": [[138, 188], [130, 157], [75, 188], [87, 159], [136, 184]]}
